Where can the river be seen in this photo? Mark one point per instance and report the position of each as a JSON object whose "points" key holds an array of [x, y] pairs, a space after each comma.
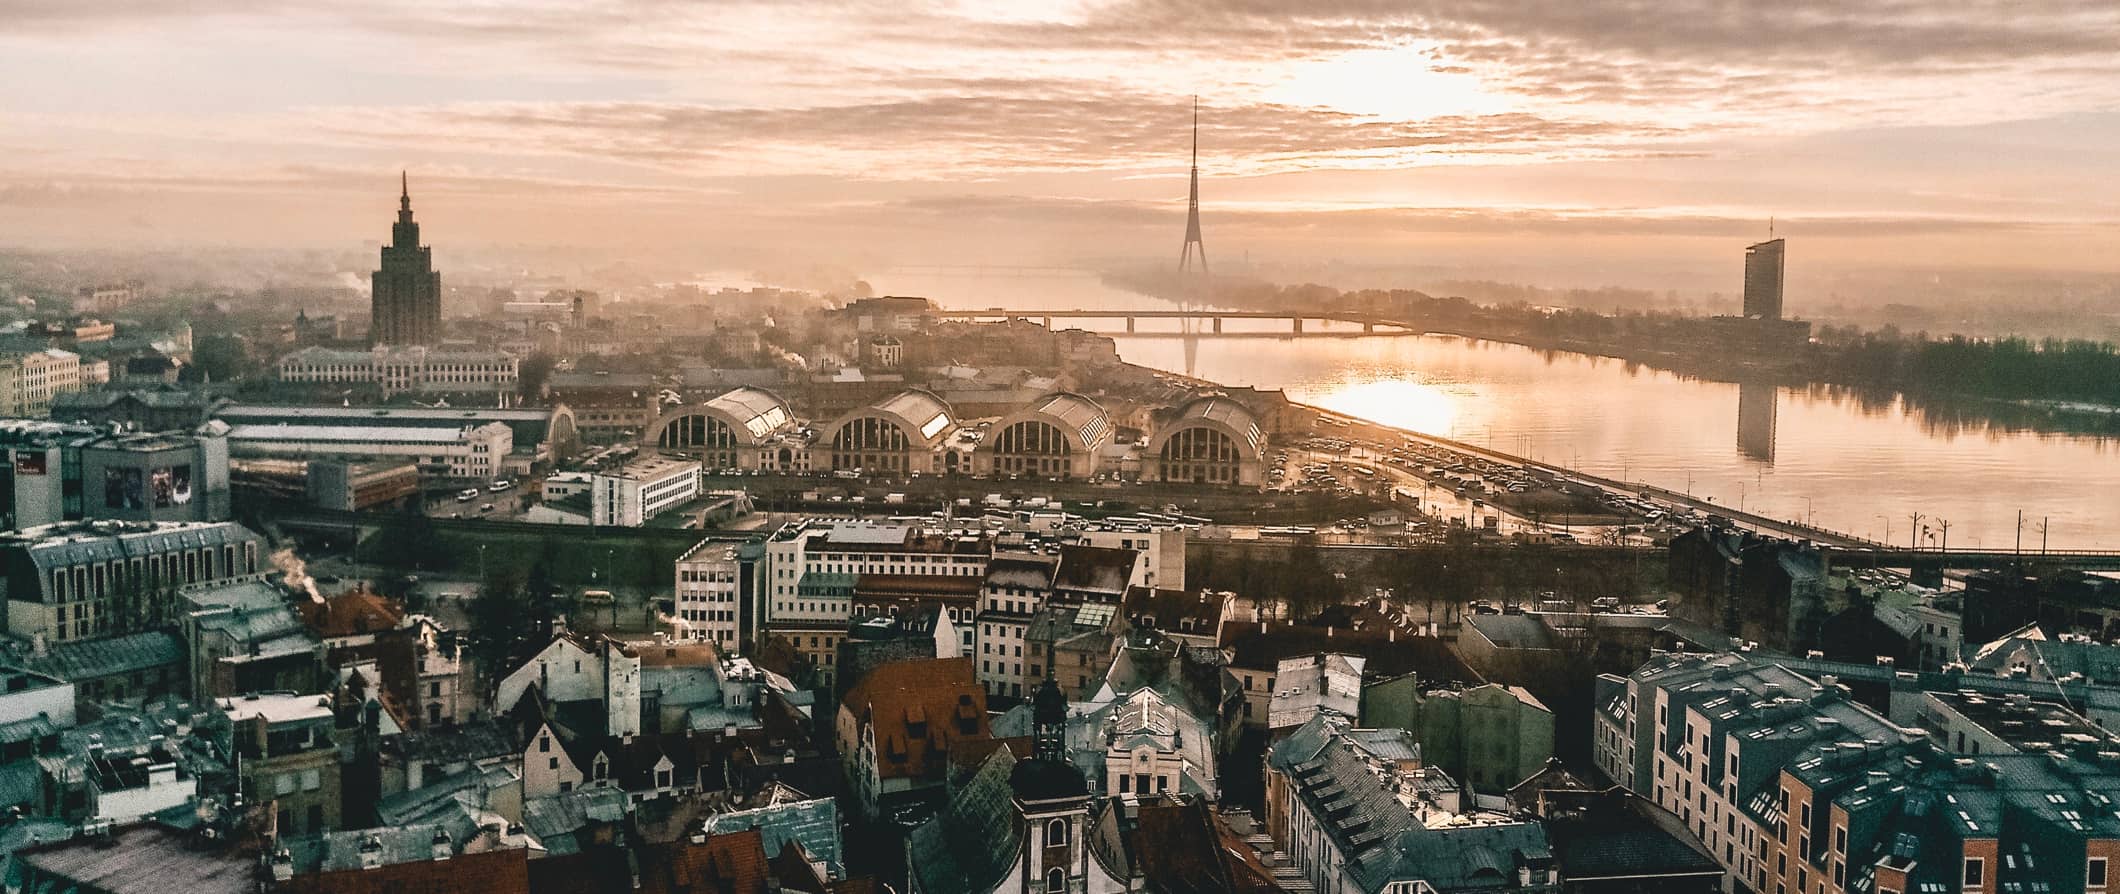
{"points": [[1860, 467]]}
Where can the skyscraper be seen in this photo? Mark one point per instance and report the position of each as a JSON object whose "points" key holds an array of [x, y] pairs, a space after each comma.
{"points": [[405, 305], [1763, 266]]}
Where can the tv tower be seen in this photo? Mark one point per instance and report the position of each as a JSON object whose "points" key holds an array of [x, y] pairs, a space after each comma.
{"points": [[1193, 245]]}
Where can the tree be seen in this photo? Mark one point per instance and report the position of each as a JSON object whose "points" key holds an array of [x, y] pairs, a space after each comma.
{"points": [[532, 374], [500, 628], [221, 357]]}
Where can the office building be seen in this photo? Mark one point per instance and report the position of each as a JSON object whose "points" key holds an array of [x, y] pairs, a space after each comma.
{"points": [[641, 490], [405, 304], [1763, 279], [53, 473], [710, 599]]}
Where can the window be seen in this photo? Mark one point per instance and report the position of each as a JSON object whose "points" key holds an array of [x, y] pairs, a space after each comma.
{"points": [[1840, 839], [551, 763], [1975, 872], [1055, 881], [2094, 873], [1056, 833]]}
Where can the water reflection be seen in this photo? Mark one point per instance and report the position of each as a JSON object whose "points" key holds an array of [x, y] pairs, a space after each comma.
{"points": [[1846, 457], [1758, 405]]}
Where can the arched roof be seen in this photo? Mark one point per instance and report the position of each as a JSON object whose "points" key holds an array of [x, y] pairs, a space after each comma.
{"points": [[753, 414], [1219, 412], [1085, 423], [755, 411], [925, 418]]}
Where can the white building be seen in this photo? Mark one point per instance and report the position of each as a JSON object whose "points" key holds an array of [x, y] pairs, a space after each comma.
{"points": [[708, 603], [398, 369], [812, 571], [574, 668], [561, 485], [29, 379], [642, 490], [1161, 560], [471, 453]]}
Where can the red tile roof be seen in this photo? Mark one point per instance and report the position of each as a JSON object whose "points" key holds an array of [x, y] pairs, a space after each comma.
{"points": [[352, 613], [918, 710], [492, 872]]}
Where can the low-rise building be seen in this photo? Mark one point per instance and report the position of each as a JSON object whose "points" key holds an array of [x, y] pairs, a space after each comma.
{"points": [[468, 453], [396, 369], [641, 490], [82, 580], [29, 380], [284, 755], [357, 486], [52, 472]]}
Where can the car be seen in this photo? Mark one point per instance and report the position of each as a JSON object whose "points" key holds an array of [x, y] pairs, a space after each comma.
{"points": [[486, 507], [467, 495], [501, 485]]}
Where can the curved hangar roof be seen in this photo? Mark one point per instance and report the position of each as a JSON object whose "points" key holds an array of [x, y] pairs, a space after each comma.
{"points": [[1216, 411], [1085, 423], [754, 411], [924, 417]]}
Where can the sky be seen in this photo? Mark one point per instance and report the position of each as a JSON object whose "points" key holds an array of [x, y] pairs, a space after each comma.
{"points": [[1601, 137]]}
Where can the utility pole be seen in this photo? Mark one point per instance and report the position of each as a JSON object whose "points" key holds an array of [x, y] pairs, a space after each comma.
{"points": [[2020, 532], [2043, 521], [1914, 533], [1945, 524]]}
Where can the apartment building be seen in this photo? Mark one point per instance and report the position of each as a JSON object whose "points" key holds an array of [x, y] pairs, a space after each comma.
{"points": [[1795, 789], [641, 490], [30, 379], [396, 369], [709, 603], [814, 570]]}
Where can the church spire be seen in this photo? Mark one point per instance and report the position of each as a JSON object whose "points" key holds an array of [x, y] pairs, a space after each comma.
{"points": [[404, 196]]}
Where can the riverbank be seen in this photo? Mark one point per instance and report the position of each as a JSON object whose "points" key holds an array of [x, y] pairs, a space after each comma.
{"points": [[1717, 350]]}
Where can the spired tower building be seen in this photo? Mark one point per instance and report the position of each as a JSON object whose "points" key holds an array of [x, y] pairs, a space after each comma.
{"points": [[405, 306]]}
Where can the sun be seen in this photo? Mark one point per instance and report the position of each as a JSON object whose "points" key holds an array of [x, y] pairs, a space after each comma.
{"points": [[1400, 83]]}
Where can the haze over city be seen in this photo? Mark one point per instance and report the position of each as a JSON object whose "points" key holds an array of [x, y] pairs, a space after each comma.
{"points": [[1597, 143]]}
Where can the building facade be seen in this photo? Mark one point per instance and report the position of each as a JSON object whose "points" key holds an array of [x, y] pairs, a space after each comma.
{"points": [[641, 490], [399, 369], [29, 380]]}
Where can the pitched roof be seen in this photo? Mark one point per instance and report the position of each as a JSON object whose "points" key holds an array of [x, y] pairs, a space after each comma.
{"points": [[917, 709], [505, 871], [352, 613], [1183, 848], [734, 863], [971, 843]]}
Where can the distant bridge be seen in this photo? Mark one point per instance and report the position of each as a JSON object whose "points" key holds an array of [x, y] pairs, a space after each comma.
{"points": [[977, 270], [1370, 323]]}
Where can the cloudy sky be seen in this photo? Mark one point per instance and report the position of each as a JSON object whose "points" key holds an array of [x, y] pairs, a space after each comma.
{"points": [[1596, 134]]}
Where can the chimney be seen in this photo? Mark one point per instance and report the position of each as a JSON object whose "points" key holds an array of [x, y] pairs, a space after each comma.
{"points": [[372, 852], [442, 850], [282, 864]]}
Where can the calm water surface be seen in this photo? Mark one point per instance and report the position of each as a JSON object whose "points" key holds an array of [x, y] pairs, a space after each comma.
{"points": [[1780, 452]]}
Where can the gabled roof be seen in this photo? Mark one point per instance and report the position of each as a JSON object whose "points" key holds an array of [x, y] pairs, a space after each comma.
{"points": [[971, 843], [1183, 849], [916, 709]]}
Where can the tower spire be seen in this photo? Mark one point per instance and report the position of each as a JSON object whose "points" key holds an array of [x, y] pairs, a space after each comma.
{"points": [[404, 193], [1193, 245]]}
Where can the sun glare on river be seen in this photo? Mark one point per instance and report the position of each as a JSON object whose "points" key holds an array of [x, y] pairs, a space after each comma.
{"points": [[1401, 403]]}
